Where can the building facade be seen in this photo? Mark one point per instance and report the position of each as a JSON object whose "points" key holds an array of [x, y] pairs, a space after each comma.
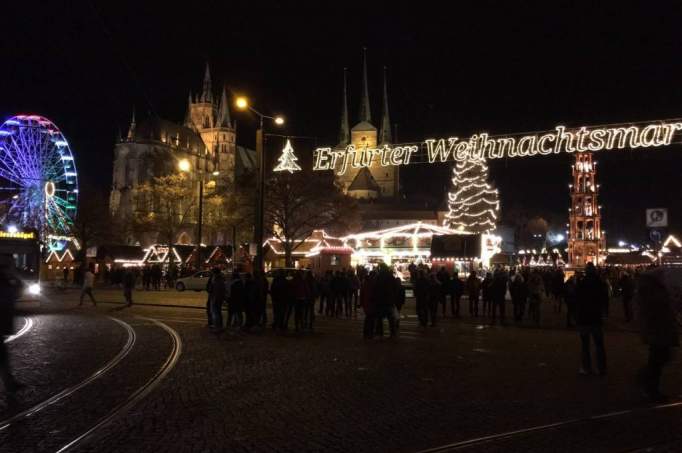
{"points": [[155, 146]]}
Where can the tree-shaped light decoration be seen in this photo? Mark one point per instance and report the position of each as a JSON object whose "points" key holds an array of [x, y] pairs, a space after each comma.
{"points": [[474, 203], [287, 161]]}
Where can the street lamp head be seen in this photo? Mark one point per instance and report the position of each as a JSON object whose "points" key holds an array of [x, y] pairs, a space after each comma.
{"points": [[242, 103], [216, 173], [279, 120], [184, 165]]}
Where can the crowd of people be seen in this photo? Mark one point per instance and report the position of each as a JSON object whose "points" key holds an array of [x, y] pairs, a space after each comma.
{"points": [[381, 295]]}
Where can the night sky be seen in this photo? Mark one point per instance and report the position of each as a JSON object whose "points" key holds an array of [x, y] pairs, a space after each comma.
{"points": [[494, 67]]}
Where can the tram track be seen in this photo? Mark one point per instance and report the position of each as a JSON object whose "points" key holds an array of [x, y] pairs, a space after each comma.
{"points": [[26, 328], [509, 435], [140, 393], [123, 352]]}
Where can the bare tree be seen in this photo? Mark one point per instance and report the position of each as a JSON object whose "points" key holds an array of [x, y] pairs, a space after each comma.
{"points": [[167, 203], [92, 224], [298, 203]]}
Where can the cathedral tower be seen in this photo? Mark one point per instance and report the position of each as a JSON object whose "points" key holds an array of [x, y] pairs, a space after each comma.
{"points": [[376, 181]]}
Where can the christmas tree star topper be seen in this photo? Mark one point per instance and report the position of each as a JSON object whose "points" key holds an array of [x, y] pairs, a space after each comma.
{"points": [[287, 161]]}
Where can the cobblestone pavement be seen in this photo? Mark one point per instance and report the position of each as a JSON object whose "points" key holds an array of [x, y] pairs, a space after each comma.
{"points": [[330, 390]]}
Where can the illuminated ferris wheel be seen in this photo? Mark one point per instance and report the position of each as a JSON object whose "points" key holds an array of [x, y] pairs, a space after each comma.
{"points": [[38, 178]]}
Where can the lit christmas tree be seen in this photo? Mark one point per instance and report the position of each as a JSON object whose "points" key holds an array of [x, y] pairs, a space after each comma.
{"points": [[473, 202], [287, 161]]}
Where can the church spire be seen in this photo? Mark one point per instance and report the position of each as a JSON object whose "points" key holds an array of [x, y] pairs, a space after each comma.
{"points": [[385, 136], [365, 113], [131, 128], [344, 131], [188, 113], [207, 94], [224, 111]]}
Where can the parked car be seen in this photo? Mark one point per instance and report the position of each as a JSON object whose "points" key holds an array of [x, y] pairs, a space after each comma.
{"points": [[196, 281]]}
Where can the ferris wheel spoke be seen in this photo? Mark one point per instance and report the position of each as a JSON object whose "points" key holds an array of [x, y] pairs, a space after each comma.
{"points": [[21, 160]]}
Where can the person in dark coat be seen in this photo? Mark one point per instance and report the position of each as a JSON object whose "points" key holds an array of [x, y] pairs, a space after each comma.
{"points": [[435, 294], [279, 293], [128, 286], [487, 293], [251, 291], [627, 291], [570, 299], [421, 294], [384, 298], [237, 302], [456, 290], [473, 286], [10, 289], [591, 298], [216, 297], [658, 327], [399, 300], [444, 280], [309, 307], [367, 303], [498, 290], [519, 295], [261, 299]]}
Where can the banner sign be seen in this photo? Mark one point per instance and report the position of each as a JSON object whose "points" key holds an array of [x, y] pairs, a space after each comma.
{"points": [[483, 146]]}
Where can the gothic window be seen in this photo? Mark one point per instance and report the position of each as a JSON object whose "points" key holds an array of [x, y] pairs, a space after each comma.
{"points": [[206, 122]]}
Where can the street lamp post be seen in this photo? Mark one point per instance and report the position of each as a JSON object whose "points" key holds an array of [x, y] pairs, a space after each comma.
{"points": [[185, 166], [243, 104]]}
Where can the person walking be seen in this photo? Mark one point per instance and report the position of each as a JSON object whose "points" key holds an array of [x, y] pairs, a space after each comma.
{"points": [[128, 286], [10, 289], [473, 286], [237, 301], [591, 297], [658, 326], [88, 283]]}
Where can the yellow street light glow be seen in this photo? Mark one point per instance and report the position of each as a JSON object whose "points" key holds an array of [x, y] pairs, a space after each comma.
{"points": [[242, 103], [279, 120], [216, 173], [184, 165]]}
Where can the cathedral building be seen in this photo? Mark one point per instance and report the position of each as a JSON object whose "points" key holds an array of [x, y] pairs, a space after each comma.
{"points": [[374, 182], [381, 203], [155, 146]]}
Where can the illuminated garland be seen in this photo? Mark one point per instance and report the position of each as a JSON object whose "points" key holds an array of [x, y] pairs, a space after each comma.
{"points": [[473, 203], [287, 161]]}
